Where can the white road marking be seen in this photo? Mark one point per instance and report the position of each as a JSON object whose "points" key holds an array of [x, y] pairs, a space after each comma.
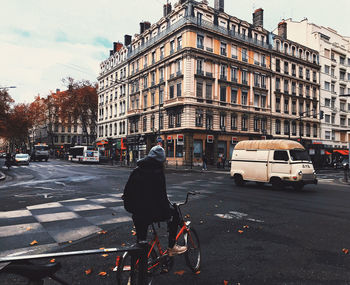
{"points": [[237, 215]]}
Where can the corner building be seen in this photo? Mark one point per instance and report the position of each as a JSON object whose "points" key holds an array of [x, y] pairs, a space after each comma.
{"points": [[200, 80]]}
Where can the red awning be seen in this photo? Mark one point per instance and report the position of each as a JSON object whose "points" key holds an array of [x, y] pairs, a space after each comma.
{"points": [[342, 151], [328, 153]]}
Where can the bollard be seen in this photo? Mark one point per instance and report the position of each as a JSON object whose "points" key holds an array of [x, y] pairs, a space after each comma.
{"points": [[346, 169]]}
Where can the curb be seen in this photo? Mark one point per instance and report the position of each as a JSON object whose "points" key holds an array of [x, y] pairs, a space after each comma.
{"points": [[2, 176]]}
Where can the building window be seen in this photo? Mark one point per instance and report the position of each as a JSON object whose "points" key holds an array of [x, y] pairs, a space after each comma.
{"points": [[161, 121], [244, 98], [244, 55], [256, 124], [244, 123], [209, 122], [315, 130], [223, 93], [179, 43], [200, 67], [172, 47], [178, 119], [144, 123], [286, 127], [199, 118], [278, 127], [145, 101], [256, 100], [208, 91], [161, 96], [263, 101], [199, 89], [234, 74], [171, 119], [223, 49], [222, 122], [244, 77], [233, 122], [178, 89], [152, 99], [171, 93], [286, 106], [200, 40], [233, 96]]}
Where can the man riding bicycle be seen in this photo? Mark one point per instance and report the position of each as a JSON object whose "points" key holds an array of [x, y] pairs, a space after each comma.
{"points": [[150, 203]]}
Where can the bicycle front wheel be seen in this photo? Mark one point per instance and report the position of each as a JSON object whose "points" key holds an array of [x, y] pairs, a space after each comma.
{"points": [[193, 253]]}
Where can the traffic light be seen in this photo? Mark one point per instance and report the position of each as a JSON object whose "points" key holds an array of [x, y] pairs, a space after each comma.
{"points": [[321, 115]]}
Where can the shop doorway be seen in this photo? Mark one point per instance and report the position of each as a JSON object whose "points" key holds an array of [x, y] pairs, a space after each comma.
{"points": [[209, 153]]}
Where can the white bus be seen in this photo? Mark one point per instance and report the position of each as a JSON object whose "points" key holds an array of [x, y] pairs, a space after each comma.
{"points": [[83, 154]]}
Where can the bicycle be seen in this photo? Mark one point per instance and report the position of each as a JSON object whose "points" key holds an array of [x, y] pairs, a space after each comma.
{"points": [[158, 261]]}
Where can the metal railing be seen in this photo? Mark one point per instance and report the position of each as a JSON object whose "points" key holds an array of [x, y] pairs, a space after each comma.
{"points": [[138, 251]]}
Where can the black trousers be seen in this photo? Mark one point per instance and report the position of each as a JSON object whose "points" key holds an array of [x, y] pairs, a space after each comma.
{"points": [[142, 227]]}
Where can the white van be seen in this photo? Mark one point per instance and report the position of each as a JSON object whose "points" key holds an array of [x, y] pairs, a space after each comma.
{"points": [[279, 162]]}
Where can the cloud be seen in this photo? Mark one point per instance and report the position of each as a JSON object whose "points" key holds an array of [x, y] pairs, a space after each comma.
{"points": [[45, 41]]}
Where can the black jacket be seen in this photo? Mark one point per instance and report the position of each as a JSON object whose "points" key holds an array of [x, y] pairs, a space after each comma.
{"points": [[149, 180]]}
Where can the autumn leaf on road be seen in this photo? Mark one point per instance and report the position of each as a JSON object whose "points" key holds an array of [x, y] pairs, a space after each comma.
{"points": [[240, 231], [133, 233], [198, 272], [187, 216], [104, 255], [345, 250], [52, 260], [102, 232], [180, 272], [28, 229], [88, 271], [225, 282], [123, 244], [245, 227], [34, 242], [102, 273]]}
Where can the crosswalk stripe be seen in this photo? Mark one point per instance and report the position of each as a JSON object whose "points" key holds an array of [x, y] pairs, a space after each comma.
{"points": [[14, 166]]}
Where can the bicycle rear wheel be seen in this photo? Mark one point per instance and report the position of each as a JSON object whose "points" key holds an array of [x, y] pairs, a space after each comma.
{"points": [[125, 275], [193, 253]]}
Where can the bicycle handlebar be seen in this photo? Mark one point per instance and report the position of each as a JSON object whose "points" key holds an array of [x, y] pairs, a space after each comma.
{"points": [[188, 194]]}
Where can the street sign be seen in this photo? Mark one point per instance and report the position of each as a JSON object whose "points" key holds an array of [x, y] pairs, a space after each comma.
{"points": [[210, 138], [159, 139], [180, 139]]}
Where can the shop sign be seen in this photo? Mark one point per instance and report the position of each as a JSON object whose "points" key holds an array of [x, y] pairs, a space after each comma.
{"points": [[180, 139], [311, 151], [322, 152], [169, 139], [142, 147], [210, 138], [234, 140]]}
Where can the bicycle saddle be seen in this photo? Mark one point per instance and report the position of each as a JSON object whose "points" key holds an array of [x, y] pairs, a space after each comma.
{"points": [[34, 272]]}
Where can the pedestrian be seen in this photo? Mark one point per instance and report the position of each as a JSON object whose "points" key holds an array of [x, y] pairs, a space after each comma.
{"points": [[223, 161], [145, 196], [219, 161], [204, 158]]}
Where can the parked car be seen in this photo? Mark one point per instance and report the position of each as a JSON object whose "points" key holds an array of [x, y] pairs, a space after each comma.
{"points": [[22, 158], [341, 163]]}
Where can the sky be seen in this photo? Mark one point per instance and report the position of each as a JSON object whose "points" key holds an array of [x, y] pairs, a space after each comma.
{"points": [[45, 41]]}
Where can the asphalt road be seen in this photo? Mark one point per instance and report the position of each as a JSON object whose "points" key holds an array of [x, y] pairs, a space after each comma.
{"points": [[288, 237]]}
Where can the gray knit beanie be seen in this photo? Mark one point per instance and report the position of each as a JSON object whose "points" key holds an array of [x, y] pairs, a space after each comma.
{"points": [[158, 153]]}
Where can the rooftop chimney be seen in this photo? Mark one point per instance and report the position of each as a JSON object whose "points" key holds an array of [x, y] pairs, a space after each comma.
{"points": [[282, 29], [117, 46], [127, 40], [142, 27], [110, 52], [147, 25], [166, 9], [258, 18], [219, 5]]}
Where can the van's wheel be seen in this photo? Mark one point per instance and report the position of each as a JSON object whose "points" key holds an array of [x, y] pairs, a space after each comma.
{"points": [[239, 180], [298, 186], [276, 183]]}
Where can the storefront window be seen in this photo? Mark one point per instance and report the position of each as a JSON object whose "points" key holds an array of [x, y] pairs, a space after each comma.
{"points": [[170, 149], [197, 148], [222, 146], [179, 150]]}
